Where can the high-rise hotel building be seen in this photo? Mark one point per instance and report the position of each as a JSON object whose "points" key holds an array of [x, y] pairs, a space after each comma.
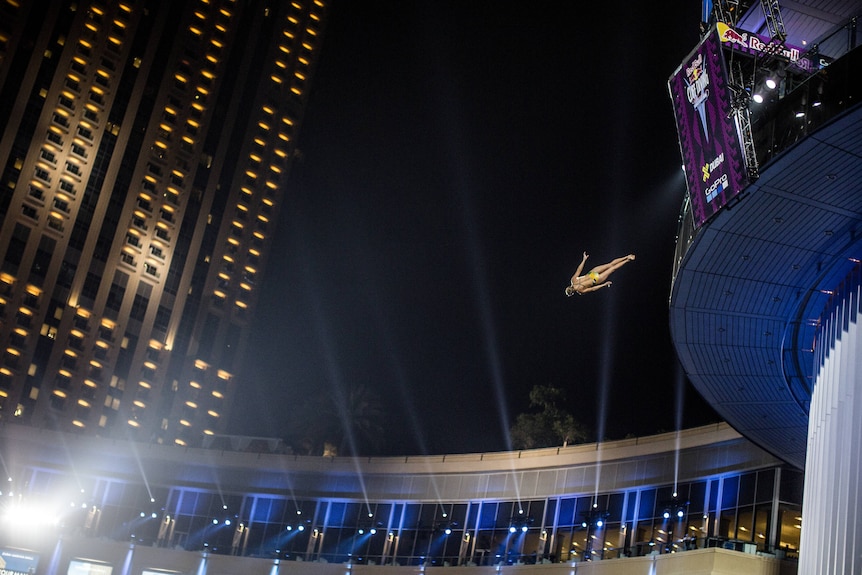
{"points": [[145, 147]]}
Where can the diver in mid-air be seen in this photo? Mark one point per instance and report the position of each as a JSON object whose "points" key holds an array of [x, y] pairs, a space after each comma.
{"points": [[595, 278]]}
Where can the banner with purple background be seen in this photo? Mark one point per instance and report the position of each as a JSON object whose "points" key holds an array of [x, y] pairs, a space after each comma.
{"points": [[709, 137]]}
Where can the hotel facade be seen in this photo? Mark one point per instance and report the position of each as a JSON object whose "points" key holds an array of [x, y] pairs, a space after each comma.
{"points": [[145, 150]]}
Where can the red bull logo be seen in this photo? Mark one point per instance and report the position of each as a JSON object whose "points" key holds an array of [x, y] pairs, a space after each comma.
{"points": [[754, 44], [697, 83], [728, 34]]}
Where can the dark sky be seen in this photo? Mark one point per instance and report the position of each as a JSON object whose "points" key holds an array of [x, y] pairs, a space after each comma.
{"points": [[458, 158]]}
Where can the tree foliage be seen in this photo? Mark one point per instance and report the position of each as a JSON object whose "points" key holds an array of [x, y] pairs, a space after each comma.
{"points": [[347, 422], [547, 424]]}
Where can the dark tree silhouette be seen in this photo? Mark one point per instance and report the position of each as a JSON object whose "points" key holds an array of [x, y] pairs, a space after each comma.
{"points": [[361, 418], [547, 425], [346, 422]]}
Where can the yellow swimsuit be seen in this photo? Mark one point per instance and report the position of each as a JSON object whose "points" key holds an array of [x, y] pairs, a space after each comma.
{"points": [[594, 276]]}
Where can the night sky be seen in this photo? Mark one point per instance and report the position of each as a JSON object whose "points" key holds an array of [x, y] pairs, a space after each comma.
{"points": [[458, 157]]}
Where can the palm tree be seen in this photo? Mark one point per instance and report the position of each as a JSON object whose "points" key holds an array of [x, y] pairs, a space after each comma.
{"points": [[361, 418], [341, 423]]}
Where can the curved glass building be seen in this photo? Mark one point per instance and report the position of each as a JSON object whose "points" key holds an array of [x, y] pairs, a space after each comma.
{"points": [[704, 491]]}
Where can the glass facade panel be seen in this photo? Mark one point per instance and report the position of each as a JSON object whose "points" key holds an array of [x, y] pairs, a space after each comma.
{"points": [[765, 485], [712, 497], [587, 528], [747, 486], [646, 506], [567, 511], [791, 485], [761, 534], [790, 528], [488, 515], [729, 492], [697, 497], [727, 524], [410, 519], [405, 543], [745, 524]]}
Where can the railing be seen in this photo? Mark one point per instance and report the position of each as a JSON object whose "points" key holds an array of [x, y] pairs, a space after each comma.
{"points": [[488, 558]]}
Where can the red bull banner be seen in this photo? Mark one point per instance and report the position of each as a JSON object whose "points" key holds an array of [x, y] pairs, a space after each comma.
{"points": [[709, 137], [759, 46]]}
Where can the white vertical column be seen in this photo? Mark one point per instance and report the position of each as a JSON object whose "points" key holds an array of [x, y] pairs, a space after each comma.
{"points": [[831, 518]]}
